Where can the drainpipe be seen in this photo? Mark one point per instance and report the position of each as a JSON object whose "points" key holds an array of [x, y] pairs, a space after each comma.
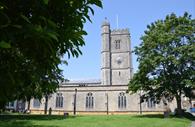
{"points": [[107, 112], [140, 103], [75, 99]]}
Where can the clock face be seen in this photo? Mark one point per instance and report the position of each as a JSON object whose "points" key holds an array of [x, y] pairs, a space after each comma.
{"points": [[119, 60]]}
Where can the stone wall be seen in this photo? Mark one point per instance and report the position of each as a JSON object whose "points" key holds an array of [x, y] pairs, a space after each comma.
{"points": [[100, 101]]}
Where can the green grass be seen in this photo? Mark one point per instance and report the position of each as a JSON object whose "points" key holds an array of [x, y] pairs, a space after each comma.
{"points": [[92, 121]]}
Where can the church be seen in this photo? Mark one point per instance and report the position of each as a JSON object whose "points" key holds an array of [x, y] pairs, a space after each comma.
{"points": [[108, 95]]}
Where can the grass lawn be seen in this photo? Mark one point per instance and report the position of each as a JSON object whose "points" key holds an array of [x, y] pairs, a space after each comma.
{"points": [[92, 121]]}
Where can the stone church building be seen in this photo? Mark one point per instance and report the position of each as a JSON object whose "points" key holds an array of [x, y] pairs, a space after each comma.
{"points": [[109, 95]]}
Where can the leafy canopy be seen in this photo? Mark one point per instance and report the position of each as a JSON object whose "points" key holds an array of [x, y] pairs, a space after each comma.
{"points": [[166, 59], [34, 36]]}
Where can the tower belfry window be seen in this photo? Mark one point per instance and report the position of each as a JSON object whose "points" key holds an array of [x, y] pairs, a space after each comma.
{"points": [[117, 44]]}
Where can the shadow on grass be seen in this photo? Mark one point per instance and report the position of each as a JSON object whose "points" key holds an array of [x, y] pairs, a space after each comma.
{"points": [[34, 117], [186, 116], [26, 123], [149, 116], [26, 120]]}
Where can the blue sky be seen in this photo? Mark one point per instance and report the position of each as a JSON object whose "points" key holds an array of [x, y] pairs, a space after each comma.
{"points": [[132, 14]]}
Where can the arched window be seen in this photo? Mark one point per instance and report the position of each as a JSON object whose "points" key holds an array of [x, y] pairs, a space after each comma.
{"points": [[151, 103], [122, 103], [36, 103], [89, 101], [59, 100]]}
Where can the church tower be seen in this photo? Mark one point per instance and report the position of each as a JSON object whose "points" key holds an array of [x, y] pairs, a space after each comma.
{"points": [[116, 56], [106, 55]]}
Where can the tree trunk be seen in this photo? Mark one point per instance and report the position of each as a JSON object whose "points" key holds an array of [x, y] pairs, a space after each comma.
{"points": [[28, 107], [190, 101], [46, 104], [179, 109]]}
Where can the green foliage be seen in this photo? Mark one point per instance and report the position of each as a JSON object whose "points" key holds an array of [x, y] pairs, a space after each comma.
{"points": [[34, 36], [167, 59], [4, 44]]}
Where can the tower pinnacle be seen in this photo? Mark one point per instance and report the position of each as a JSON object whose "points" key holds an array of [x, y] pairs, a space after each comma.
{"points": [[105, 22]]}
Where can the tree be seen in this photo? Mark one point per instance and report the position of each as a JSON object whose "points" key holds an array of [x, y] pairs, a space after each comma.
{"points": [[166, 59], [34, 36]]}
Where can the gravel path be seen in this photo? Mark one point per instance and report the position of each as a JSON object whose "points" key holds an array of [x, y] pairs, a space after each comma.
{"points": [[193, 124]]}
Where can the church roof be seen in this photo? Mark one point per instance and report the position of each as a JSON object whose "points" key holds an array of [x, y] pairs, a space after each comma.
{"points": [[82, 82]]}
